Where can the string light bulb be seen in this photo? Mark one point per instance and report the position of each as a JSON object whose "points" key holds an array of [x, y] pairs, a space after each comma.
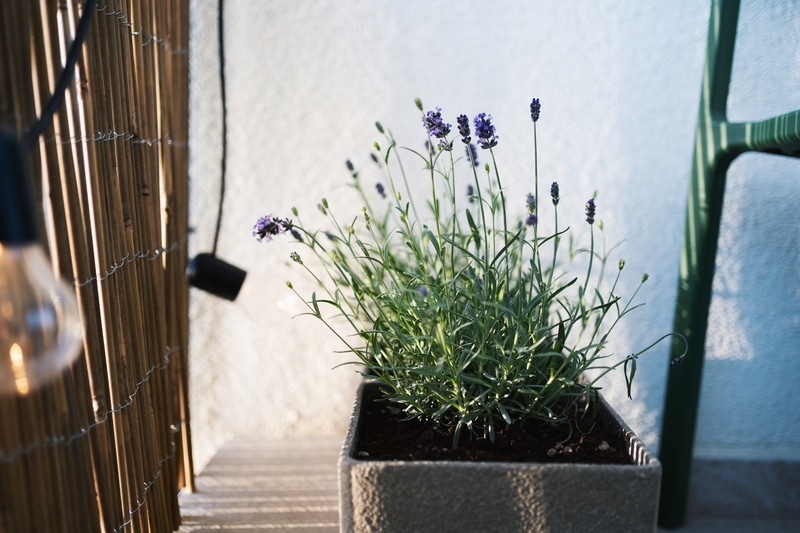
{"points": [[40, 327]]}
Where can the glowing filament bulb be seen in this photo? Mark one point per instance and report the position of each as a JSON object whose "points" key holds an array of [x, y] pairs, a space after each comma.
{"points": [[18, 367]]}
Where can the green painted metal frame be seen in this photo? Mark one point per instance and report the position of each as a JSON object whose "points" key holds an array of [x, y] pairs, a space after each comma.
{"points": [[717, 143]]}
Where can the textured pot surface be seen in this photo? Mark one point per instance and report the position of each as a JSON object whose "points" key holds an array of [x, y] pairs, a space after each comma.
{"points": [[443, 496]]}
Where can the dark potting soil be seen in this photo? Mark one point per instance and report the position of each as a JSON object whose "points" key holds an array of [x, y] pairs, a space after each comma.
{"points": [[384, 434]]}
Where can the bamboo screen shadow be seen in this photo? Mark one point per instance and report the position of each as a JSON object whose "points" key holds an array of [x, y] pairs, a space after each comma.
{"points": [[106, 447]]}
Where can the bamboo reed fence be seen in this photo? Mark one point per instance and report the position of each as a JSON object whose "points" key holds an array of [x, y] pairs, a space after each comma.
{"points": [[107, 446]]}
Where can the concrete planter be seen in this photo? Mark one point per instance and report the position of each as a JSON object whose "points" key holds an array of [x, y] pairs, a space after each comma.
{"points": [[443, 496]]}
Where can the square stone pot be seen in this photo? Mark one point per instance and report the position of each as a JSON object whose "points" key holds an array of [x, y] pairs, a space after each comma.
{"points": [[461, 496]]}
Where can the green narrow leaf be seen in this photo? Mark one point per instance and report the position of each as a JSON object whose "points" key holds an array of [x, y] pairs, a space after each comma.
{"points": [[504, 413], [630, 373], [314, 303], [429, 234], [473, 228], [561, 338]]}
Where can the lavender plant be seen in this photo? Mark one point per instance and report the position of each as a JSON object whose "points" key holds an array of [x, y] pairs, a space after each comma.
{"points": [[467, 317]]}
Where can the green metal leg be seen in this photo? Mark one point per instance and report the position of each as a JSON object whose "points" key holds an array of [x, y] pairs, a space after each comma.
{"points": [[717, 144]]}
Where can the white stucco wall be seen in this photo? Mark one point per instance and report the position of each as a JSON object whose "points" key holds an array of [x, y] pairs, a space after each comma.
{"points": [[619, 84]]}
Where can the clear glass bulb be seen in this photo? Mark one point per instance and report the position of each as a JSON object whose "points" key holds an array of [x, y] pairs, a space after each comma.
{"points": [[40, 327]]}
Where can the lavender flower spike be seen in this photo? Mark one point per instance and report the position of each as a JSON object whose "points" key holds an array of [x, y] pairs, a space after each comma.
{"points": [[536, 107], [554, 193], [435, 125], [484, 129], [471, 191], [530, 203], [463, 129], [590, 211], [472, 154], [268, 226]]}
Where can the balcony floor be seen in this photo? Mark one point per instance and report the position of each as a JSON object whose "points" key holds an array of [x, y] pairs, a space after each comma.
{"points": [[291, 485]]}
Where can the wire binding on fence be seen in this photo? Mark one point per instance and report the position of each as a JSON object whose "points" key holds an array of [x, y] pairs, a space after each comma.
{"points": [[66, 440], [140, 498], [111, 135], [151, 37], [141, 254]]}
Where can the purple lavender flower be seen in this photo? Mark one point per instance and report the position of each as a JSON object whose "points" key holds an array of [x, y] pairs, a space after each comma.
{"points": [[531, 220], [379, 187], [351, 168], [470, 194], [484, 129], [422, 290], [554, 193], [536, 107], [530, 203], [268, 226], [590, 211], [435, 125], [472, 154], [463, 129], [429, 147]]}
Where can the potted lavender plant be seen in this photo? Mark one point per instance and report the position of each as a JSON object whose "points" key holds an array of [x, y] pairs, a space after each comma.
{"points": [[479, 345]]}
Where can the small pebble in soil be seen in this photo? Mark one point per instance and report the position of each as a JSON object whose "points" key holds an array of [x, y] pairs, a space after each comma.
{"points": [[551, 452], [603, 446]]}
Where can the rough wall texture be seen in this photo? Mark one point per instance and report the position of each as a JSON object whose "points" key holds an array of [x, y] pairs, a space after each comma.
{"points": [[619, 85]]}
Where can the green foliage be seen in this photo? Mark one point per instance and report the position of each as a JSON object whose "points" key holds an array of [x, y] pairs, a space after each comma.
{"points": [[467, 318]]}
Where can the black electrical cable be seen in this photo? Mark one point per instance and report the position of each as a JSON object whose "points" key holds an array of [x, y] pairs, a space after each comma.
{"points": [[67, 74], [206, 271], [224, 105]]}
